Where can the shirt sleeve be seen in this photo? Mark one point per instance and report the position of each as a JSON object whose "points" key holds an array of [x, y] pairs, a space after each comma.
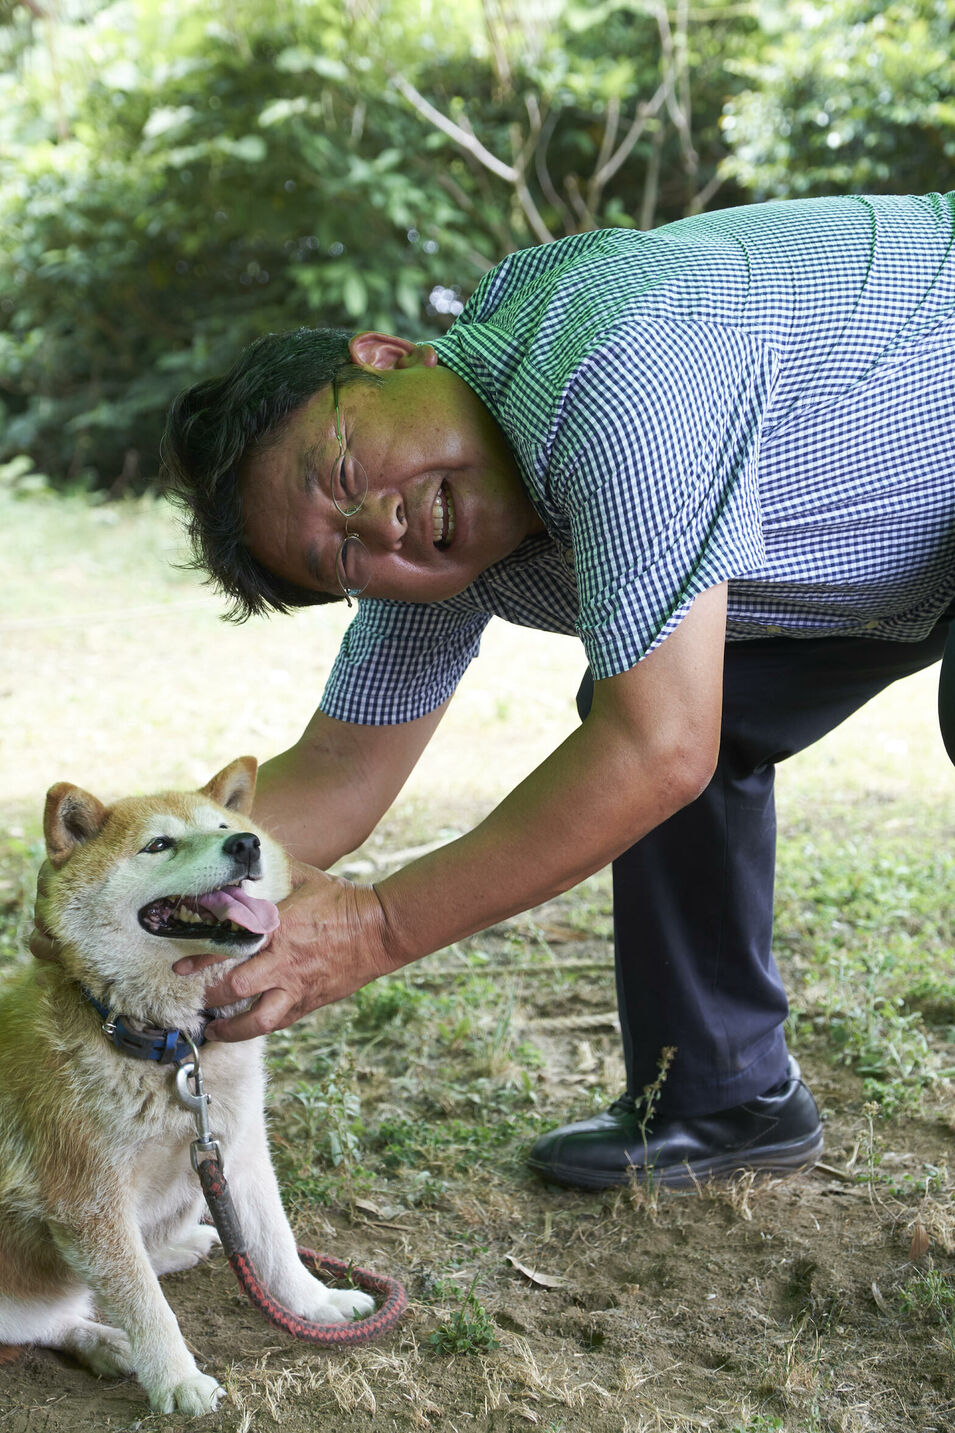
{"points": [[400, 660], [654, 464]]}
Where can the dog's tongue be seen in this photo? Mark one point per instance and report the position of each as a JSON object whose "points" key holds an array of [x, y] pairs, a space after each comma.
{"points": [[233, 904]]}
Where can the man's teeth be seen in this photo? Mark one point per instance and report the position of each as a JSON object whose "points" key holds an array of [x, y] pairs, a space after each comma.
{"points": [[442, 517]]}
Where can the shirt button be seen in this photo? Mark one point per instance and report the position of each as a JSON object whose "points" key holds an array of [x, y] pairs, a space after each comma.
{"points": [[774, 631], [871, 625]]}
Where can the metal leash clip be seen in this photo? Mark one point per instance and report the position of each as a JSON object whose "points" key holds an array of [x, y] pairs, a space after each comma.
{"points": [[197, 1103]]}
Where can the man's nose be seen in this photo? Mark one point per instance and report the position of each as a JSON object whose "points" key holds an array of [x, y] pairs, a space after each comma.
{"points": [[381, 521]]}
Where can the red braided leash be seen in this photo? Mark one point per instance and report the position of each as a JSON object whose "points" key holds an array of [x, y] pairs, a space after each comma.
{"points": [[219, 1200]]}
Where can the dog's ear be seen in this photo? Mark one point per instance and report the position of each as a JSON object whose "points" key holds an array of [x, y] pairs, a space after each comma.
{"points": [[71, 816], [234, 786]]}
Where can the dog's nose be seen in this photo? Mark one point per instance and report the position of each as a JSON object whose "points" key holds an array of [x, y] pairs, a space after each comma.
{"points": [[242, 846]]}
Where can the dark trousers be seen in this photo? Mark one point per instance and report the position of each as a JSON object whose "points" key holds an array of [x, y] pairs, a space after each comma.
{"points": [[693, 901]]}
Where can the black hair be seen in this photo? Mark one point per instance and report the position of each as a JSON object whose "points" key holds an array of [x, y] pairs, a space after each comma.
{"points": [[214, 425]]}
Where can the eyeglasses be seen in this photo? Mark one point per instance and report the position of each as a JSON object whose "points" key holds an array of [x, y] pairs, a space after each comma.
{"points": [[349, 490]]}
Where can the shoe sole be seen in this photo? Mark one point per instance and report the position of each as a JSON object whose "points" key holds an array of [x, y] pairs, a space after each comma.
{"points": [[782, 1159]]}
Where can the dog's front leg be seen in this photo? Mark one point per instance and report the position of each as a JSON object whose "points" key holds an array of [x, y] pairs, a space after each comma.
{"points": [[271, 1244], [104, 1246]]}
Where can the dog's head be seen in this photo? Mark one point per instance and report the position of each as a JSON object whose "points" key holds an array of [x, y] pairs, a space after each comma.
{"points": [[139, 884]]}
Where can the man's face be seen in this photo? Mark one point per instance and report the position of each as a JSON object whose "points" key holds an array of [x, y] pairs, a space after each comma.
{"points": [[444, 498]]}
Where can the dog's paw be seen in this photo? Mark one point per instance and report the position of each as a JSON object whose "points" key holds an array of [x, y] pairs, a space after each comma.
{"points": [[311, 1300], [194, 1396], [318, 1308], [188, 1247], [352, 1303], [104, 1351]]}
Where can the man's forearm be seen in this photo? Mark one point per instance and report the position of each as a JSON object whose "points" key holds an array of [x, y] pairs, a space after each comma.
{"points": [[313, 815], [325, 795], [648, 747], [576, 812]]}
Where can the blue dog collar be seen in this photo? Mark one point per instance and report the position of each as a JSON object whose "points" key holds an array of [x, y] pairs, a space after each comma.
{"points": [[166, 1047]]}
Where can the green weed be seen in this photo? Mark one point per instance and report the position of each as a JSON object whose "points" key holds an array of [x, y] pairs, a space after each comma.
{"points": [[929, 1292], [386, 1002], [470, 1328], [930, 1296], [322, 1129]]}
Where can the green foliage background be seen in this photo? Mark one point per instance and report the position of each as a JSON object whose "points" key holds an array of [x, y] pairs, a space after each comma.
{"points": [[178, 178]]}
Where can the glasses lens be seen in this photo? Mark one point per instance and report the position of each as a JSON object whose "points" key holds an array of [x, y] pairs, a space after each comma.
{"points": [[349, 485], [353, 566]]}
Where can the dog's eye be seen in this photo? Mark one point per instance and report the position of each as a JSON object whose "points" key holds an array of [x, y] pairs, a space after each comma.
{"points": [[157, 844]]}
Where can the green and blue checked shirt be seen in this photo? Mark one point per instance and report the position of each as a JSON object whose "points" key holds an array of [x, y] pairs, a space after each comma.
{"points": [[763, 396]]}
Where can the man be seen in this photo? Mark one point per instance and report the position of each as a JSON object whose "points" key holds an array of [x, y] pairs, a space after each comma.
{"points": [[733, 436]]}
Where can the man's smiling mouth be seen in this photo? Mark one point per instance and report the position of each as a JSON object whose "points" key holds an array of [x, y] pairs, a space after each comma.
{"points": [[442, 517]]}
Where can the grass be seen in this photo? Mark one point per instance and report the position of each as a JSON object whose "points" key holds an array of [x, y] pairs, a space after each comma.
{"points": [[469, 1330], [400, 1118]]}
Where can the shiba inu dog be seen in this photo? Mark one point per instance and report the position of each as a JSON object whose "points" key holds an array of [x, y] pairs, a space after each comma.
{"points": [[97, 1196]]}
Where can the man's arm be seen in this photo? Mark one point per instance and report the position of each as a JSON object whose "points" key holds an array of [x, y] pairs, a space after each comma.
{"points": [[325, 795], [648, 747]]}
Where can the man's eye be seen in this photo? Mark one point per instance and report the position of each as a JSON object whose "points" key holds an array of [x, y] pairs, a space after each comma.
{"points": [[339, 481], [349, 484], [157, 844], [353, 564]]}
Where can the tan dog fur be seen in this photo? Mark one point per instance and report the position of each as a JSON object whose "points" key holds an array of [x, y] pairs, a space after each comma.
{"points": [[97, 1195]]}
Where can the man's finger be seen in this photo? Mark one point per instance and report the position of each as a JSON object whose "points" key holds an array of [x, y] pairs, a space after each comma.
{"points": [[44, 880], [191, 963], [266, 971], [44, 946], [270, 1013], [242, 983]]}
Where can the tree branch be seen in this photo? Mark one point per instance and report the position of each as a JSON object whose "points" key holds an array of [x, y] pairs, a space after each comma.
{"points": [[651, 183], [534, 217], [485, 216], [703, 196], [467, 140], [523, 149], [548, 188], [645, 111]]}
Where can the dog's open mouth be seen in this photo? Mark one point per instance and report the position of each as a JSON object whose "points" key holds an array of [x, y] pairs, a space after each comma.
{"points": [[229, 916]]}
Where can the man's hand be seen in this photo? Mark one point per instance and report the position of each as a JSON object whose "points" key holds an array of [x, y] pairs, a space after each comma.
{"points": [[43, 945], [330, 943]]}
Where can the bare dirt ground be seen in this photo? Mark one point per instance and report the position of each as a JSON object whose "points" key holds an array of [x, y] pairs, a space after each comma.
{"points": [[788, 1306]]}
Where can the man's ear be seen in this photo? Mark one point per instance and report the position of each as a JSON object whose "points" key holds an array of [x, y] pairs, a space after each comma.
{"points": [[379, 351]]}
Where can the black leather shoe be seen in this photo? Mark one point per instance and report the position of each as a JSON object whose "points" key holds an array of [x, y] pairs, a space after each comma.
{"points": [[779, 1133]]}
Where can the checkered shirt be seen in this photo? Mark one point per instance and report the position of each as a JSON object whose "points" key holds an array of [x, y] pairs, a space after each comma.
{"points": [[763, 396]]}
